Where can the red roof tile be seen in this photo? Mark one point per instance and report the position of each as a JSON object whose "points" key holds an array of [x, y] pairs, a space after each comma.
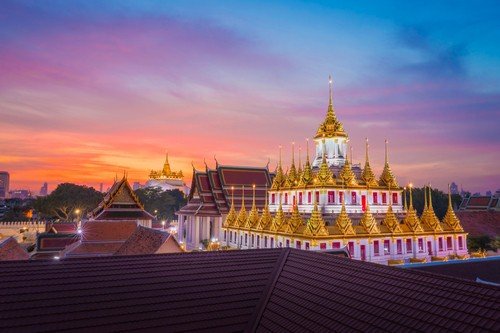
{"points": [[479, 201], [11, 250], [148, 241], [479, 223], [254, 290], [108, 230]]}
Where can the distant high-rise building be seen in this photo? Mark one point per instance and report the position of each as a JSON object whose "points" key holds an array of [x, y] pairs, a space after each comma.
{"points": [[454, 188], [4, 184], [44, 190], [100, 187], [136, 186], [488, 193]]}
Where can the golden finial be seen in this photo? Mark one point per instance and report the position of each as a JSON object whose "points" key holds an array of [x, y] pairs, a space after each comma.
{"points": [[351, 153], [280, 155], [386, 152], [293, 152], [242, 195], [411, 197], [307, 145], [232, 195], [404, 198], [330, 89], [300, 157], [253, 194], [425, 197]]}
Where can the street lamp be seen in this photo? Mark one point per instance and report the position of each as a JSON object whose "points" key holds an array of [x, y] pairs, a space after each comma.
{"points": [[163, 225]]}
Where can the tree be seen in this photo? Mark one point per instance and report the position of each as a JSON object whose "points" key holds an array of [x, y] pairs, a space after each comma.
{"points": [[66, 199], [165, 203]]}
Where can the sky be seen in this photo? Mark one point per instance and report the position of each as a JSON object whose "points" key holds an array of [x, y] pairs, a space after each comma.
{"points": [[89, 89]]}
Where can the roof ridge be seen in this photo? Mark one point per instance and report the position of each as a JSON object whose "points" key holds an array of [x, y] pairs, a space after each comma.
{"points": [[267, 292]]}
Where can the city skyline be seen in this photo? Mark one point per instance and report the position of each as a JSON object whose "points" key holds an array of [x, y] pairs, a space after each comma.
{"points": [[89, 91]]}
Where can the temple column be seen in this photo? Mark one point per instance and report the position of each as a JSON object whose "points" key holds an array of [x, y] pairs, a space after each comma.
{"points": [[196, 232], [180, 229]]}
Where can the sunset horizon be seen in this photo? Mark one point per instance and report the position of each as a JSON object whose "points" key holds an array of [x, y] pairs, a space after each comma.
{"points": [[87, 93]]}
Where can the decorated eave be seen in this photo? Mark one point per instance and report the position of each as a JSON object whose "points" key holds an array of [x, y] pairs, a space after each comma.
{"points": [[213, 189], [121, 203]]}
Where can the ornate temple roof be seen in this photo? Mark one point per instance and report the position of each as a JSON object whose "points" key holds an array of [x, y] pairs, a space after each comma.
{"points": [[120, 203], [331, 126], [212, 190]]}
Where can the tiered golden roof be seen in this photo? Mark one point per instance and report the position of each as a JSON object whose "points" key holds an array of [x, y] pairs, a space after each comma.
{"points": [[411, 219], [292, 176], [450, 219], [278, 219], [347, 175], [330, 127], [242, 214], [279, 178], [429, 218], [307, 175], [231, 216], [316, 226], [387, 178], [325, 175], [368, 222], [291, 224], [391, 221], [265, 218], [253, 217], [368, 176], [344, 223]]}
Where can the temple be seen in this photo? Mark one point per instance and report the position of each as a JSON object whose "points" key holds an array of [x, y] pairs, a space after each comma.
{"points": [[329, 203], [215, 194], [167, 179]]}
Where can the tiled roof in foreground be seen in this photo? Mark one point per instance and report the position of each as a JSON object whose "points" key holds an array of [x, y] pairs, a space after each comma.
{"points": [[252, 290]]}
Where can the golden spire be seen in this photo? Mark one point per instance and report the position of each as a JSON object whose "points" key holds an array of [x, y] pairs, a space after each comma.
{"points": [[346, 174], [330, 127], [404, 199], [429, 217], [450, 219], [295, 219], [343, 222], [291, 224], [411, 219], [242, 215], [316, 226], [324, 175], [278, 219], [387, 178], [330, 102], [292, 172], [307, 175], [368, 176], [253, 217], [265, 219], [299, 171], [279, 178], [231, 216], [368, 221], [390, 219]]}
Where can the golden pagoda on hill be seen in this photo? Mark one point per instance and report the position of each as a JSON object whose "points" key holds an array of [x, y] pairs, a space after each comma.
{"points": [[167, 179], [331, 203]]}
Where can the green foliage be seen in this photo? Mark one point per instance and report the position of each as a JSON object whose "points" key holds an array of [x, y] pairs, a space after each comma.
{"points": [[439, 201], [165, 203], [17, 209], [65, 199], [483, 243]]}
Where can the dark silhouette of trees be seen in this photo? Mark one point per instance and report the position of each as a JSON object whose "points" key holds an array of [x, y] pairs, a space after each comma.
{"points": [[66, 199], [165, 203]]}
